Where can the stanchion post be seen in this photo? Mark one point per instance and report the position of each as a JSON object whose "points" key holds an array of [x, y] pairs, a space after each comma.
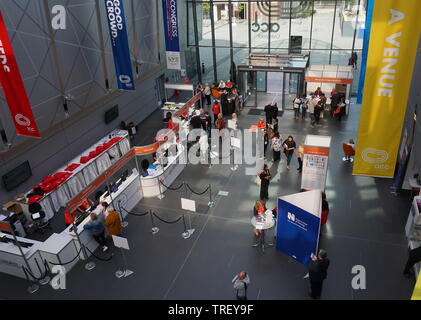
{"points": [[161, 194], [187, 232], [90, 265], [46, 278], [211, 203], [154, 229], [124, 224], [33, 287]]}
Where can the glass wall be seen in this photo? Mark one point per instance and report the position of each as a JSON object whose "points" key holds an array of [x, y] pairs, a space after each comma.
{"points": [[328, 30]]}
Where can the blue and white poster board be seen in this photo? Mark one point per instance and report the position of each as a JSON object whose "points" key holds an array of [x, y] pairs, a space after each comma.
{"points": [[298, 225]]}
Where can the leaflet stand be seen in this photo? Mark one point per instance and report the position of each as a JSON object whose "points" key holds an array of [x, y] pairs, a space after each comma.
{"points": [[123, 244]]}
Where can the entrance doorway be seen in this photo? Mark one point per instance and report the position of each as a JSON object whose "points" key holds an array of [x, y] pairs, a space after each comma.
{"points": [[264, 79]]}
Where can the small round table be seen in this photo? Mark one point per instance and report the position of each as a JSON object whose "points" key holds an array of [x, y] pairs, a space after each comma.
{"points": [[265, 227]]}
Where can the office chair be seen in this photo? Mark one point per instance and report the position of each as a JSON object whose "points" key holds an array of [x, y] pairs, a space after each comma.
{"points": [[38, 216], [349, 152]]}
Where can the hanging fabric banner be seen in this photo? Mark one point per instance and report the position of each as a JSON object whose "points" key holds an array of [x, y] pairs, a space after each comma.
{"points": [[120, 44], [172, 44], [392, 50], [13, 88]]}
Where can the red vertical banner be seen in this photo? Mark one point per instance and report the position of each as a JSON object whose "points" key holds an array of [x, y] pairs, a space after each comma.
{"points": [[13, 88]]}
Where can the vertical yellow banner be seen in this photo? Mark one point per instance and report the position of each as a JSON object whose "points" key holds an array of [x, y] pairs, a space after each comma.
{"points": [[395, 34]]}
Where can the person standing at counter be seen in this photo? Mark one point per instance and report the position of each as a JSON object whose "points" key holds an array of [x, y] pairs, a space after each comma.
{"points": [[97, 230], [112, 222], [216, 109], [207, 93]]}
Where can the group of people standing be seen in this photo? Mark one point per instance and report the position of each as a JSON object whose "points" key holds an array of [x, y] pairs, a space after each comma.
{"points": [[317, 103]]}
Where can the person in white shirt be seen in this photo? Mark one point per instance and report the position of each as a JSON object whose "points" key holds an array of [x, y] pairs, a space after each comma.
{"points": [[207, 93], [241, 282], [222, 84], [311, 106], [297, 103]]}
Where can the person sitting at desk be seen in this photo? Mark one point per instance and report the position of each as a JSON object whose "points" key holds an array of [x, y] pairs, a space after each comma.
{"points": [[84, 207], [112, 222], [97, 230]]}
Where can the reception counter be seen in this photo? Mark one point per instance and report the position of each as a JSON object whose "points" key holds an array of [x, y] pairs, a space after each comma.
{"points": [[167, 175]]}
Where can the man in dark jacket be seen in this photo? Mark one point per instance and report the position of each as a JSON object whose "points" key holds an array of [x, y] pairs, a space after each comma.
{"points": [[275, 110], [317, 271], [269, 113]]}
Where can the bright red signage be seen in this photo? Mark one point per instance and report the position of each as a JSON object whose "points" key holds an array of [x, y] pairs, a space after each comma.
{"points": [[13, 88]]}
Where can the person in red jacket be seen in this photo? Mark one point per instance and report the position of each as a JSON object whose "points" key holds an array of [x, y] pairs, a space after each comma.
{"points": [[325, 212], [216, 109]]}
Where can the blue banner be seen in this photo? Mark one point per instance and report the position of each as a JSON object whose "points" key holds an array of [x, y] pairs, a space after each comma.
{"points": [[120, 44], [171, 33], [366, 42], [297, 233]]}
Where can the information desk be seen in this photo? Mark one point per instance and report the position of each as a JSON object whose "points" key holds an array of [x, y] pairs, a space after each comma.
{"points": [[128, 195], [61, 248], [11, 260], [176, 164]]}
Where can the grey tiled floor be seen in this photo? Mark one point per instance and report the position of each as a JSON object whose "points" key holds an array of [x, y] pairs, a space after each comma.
{"points": [[365, 227]]}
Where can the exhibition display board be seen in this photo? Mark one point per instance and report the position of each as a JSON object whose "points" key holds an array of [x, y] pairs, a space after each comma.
{"points": [[329, 77], [315, 162], [298, 225]]}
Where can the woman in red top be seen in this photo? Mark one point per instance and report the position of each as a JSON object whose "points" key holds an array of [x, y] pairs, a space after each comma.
{"points": [[261, 124], [216, 109]]}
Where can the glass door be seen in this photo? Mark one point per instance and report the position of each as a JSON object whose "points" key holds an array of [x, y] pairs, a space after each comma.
{"points": [[291, 88], [261, 81]]}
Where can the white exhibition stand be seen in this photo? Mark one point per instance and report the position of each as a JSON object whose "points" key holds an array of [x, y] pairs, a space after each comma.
{"points": [[315, 162]]}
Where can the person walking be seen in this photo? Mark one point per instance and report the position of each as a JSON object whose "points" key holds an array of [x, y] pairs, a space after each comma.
{"points": [[296, 105], [206, 122], [274, 112], [207, 92], [216, 109], [317, 271], [234, 119], [311, 108], [304, 107], [96, 229], [220, 124], [113, 222], [300, 157], [241, 282], [268, 113], [341, 109], [317, 112], [264, 185], [276, 147], [289, 147]]}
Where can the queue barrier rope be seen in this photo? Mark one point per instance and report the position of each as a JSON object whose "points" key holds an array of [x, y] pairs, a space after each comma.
{"points": [[135, 214], [64, 264], [169, 222], [169, 188], [198, 193], [100, 259]]}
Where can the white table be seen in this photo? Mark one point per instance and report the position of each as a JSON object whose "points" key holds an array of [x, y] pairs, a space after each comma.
{"points": [[265, 226]]}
